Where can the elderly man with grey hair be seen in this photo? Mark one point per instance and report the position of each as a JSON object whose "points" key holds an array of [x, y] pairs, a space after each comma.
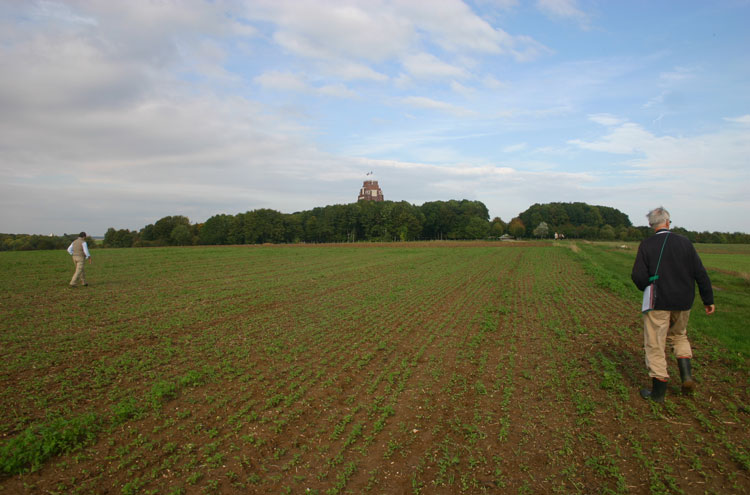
{"points": [[669, 262]]}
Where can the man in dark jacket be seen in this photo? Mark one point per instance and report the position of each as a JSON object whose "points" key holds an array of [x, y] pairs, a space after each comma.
{"points": [[679, 268]]}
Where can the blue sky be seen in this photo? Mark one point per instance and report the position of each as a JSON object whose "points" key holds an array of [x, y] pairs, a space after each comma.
{"points": [[116, 114]]}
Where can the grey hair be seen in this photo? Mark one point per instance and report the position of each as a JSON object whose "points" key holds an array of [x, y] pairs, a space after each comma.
{"points": [[657, 216]]}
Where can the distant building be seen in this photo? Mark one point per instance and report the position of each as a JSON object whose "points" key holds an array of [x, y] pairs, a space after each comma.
{"points": [[370, 191]]}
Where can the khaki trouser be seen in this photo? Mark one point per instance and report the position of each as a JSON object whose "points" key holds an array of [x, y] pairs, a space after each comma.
{"points": [[80, 261], [659, 329]]}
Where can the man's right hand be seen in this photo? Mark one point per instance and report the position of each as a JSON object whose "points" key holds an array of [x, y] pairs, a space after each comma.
{"points": [[710, 309]]}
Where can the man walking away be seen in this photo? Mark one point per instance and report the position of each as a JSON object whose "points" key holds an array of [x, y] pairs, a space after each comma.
{"points": [[80, 252], [679, 269]]}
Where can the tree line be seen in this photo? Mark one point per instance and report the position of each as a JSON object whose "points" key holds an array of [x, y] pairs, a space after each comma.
{"points": [[584, 221], [362, 221], [33, 242], [376, 221]]}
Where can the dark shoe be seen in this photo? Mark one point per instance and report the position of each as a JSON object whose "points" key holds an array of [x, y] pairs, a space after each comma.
{"points": [[85, 285], [71, 286], [688, 384], [657, 392]]}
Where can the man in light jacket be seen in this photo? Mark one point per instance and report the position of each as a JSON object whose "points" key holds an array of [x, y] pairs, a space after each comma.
{"points": [[680, 268], [80, 252]]}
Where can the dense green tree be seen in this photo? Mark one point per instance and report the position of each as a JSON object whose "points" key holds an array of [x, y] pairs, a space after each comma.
{"points": [[262, 226], [497, 227], [607, 233], [441, 219], [293, 231], [160, 232], [574, 219], [216, 230], [119, 238], [476, 228], [181, 235], [148, 233], [405, 221]]}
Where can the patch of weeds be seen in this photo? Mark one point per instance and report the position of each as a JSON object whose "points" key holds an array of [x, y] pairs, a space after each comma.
{"points": [[33, 447], [124, 410], [192, 378], [162, 391]]}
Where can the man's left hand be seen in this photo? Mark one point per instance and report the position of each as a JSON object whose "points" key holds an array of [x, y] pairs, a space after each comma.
{"points": [[710, 309]]}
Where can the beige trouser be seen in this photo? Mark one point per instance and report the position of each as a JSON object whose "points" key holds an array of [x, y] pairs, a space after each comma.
{"points": [[659, 329], [79, 274]]}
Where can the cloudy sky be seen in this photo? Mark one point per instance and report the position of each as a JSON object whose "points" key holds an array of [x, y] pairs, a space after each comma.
{"points": [[118, 113]]}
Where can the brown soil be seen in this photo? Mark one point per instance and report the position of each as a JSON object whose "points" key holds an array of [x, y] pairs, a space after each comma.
{"points": [[516, 377]]}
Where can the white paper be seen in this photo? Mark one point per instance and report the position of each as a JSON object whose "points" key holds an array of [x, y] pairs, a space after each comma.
{"points": [[648, 302]]}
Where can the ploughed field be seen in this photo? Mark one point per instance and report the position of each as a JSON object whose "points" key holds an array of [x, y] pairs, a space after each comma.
{"points": [[383, 369]]}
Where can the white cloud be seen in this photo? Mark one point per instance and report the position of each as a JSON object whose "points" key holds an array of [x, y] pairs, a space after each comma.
{"points": [[378, 31], [453, 25], [707, 160], [493, 83], [59, 11], [744, 119], [462, 90], [431, 104], [349, 71], [337, 90], [284, 81], [563, 9], [370, 31], [426, 65], [606, 119]]}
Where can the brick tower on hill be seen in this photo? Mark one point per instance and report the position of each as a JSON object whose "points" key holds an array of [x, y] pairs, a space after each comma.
{"points": [[370, 191]]}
